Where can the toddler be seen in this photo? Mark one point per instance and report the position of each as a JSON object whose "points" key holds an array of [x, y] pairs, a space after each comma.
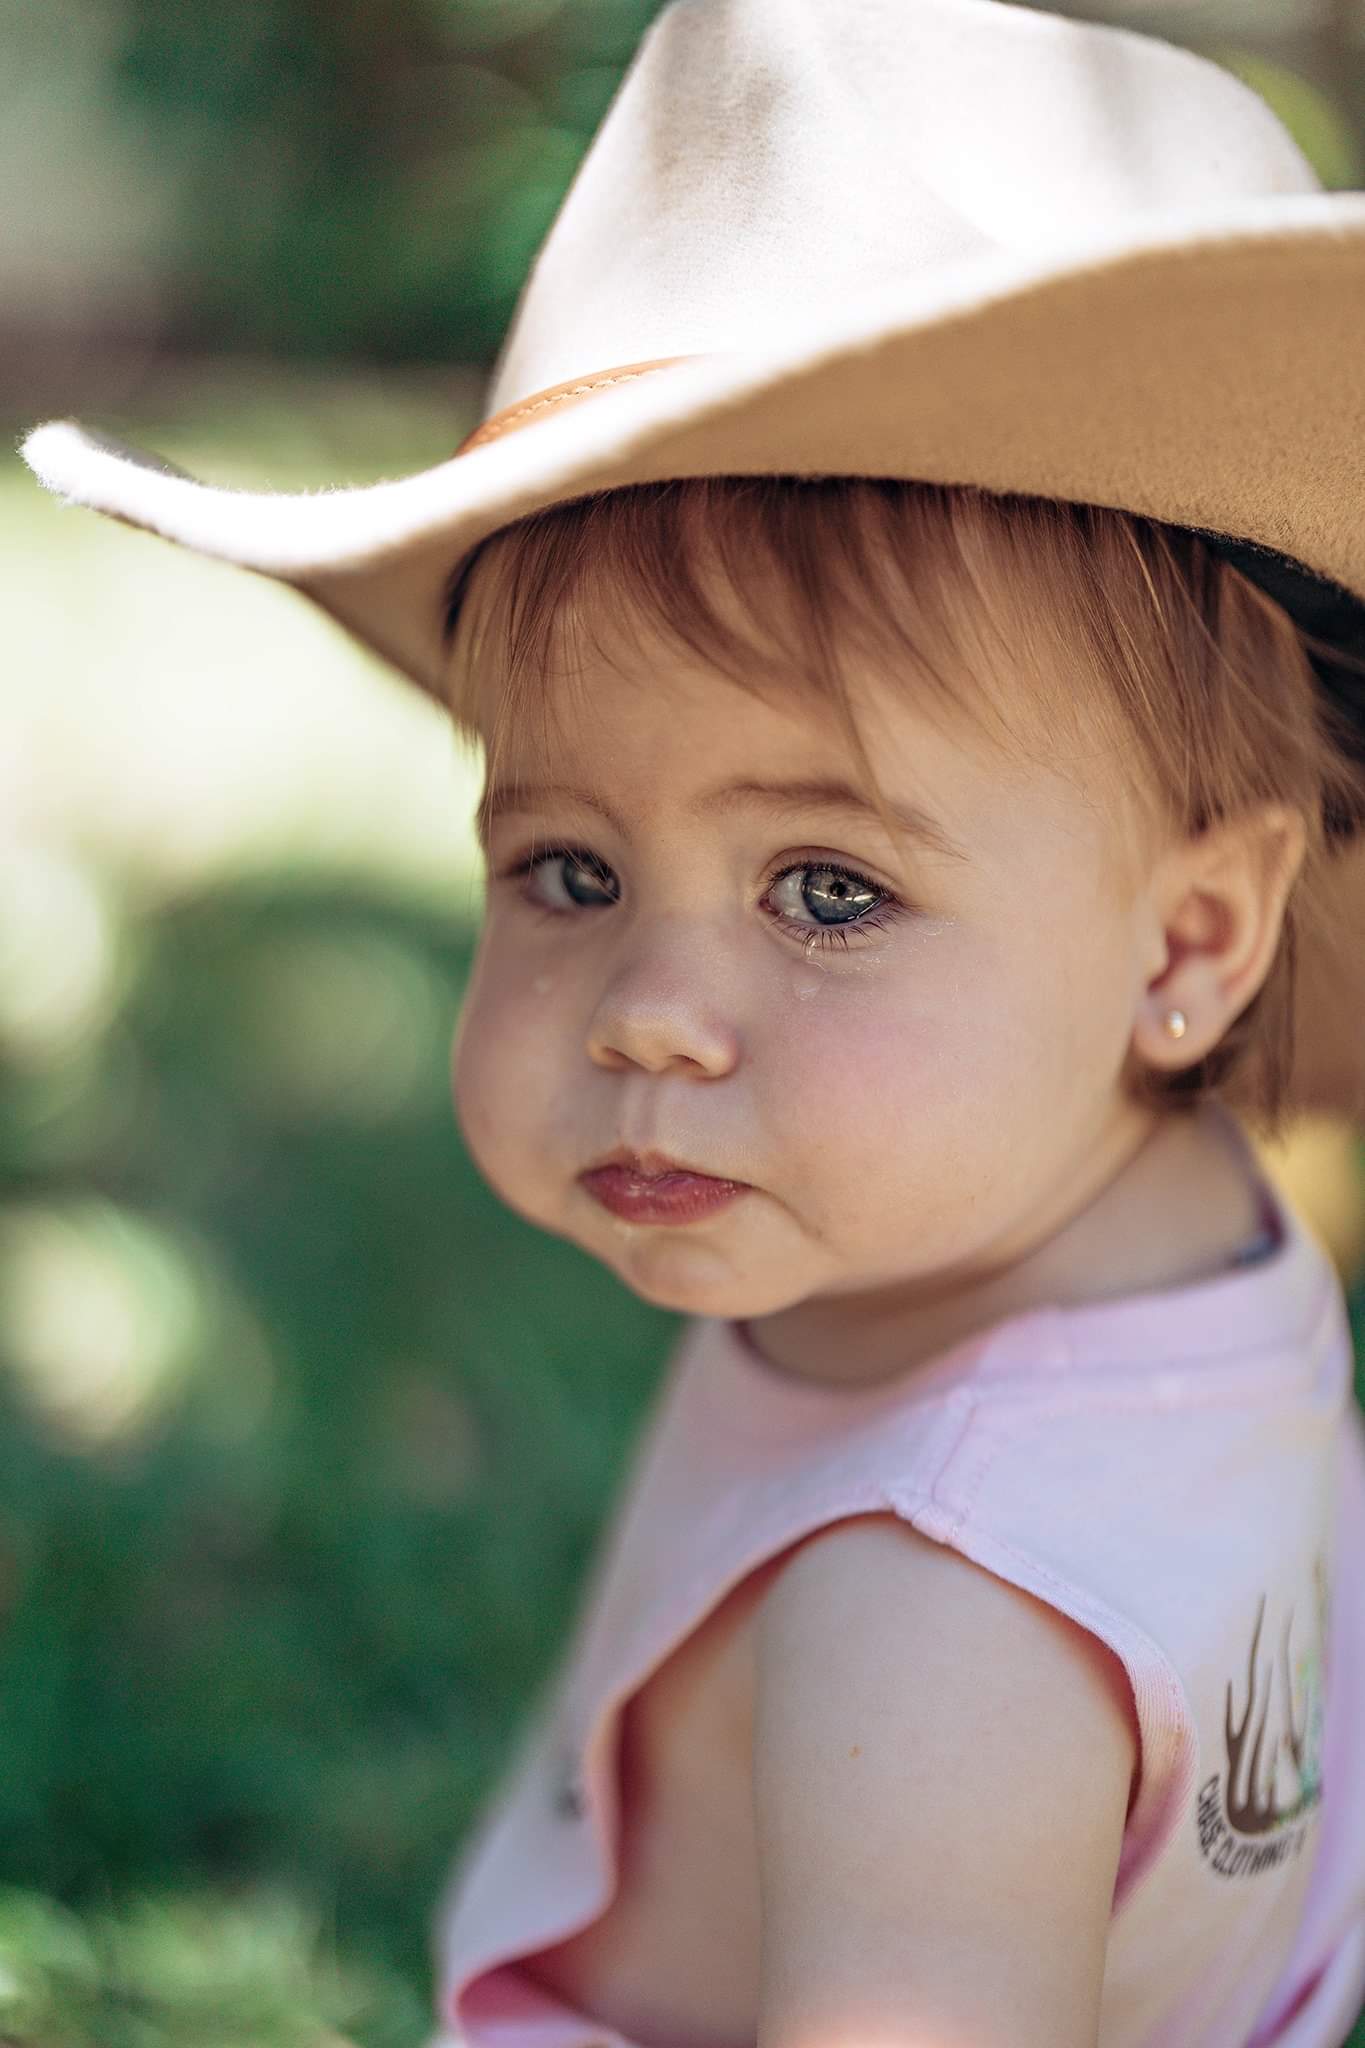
{"points": [[909, 588], [889, 888]]}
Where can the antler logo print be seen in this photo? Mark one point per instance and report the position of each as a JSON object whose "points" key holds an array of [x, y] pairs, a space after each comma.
{"points": [[1254, 1816]]}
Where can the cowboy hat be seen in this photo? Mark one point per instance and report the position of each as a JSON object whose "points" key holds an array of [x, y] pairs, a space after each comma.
{"points": [[964, 241]]}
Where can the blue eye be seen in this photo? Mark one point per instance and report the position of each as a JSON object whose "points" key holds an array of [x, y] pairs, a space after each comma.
{"points": [[839, 898], [834, 895]]}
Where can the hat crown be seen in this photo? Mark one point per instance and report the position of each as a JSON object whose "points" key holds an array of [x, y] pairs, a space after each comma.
{"points": [[768, 161]]}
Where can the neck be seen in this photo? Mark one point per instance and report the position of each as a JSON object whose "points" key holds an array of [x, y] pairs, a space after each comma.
{"points": [[1163, 1203]]}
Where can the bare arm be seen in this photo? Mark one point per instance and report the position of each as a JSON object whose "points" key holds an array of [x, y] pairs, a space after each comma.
{"points": [[942, 1769]]}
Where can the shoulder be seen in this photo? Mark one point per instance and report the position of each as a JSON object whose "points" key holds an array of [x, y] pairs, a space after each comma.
{"points": [[942, 1771]]}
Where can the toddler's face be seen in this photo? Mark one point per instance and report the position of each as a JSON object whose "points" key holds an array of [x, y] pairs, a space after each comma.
{"points": [[908, 1055]]}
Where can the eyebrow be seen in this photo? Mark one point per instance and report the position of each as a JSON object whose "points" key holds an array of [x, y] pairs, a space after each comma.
{"points": [[829, 797]]}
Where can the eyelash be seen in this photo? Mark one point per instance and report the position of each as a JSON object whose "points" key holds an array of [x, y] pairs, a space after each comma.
{"points": [[814, 936]]}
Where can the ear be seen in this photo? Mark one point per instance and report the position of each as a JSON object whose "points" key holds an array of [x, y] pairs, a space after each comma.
{"points": [[1216, 906]]}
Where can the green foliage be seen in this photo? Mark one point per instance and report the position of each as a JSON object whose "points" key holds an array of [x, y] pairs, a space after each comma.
{"points": [[367, 181], [216, 1970], [274, 1619]]}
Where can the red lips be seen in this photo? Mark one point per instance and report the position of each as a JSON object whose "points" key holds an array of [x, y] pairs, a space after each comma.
{"points": [[649, 1187]]}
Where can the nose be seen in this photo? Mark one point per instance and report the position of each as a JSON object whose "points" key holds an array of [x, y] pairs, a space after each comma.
{"points": [[660, 1011]]}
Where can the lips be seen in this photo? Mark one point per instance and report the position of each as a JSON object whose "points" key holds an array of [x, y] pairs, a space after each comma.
{"points": [[649, 1187]]}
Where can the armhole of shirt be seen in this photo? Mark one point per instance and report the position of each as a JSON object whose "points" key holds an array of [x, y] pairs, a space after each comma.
{"points": [[1167, 1765]]}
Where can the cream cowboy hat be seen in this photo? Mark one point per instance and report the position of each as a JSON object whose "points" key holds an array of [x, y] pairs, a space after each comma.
{"points": [[957, 240]]}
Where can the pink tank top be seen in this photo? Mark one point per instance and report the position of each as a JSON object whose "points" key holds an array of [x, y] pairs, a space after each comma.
{"points": [[1181, 1472]]}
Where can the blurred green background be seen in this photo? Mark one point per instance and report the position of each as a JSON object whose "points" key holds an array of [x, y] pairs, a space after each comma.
{"points": [[305, 1440]]}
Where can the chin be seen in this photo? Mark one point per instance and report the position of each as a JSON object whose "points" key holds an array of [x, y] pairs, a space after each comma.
{"points": [[692, 1279]]}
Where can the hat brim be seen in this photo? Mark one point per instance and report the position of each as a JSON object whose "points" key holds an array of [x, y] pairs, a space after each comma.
{"points": [[1124, 371]]}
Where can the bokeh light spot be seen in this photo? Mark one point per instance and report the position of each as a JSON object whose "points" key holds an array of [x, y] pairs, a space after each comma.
{"points": [[349, 1028], [58, 951], [100, 1317]]}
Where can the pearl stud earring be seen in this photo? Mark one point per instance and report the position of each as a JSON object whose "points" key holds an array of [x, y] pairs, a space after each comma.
{"points": [[1175, 1022]]}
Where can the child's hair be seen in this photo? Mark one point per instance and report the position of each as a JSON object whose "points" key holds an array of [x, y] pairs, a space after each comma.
{"points": [[1187, 690]]}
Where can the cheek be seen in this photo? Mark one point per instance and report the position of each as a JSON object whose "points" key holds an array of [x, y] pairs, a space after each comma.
{"points": [[502, 1062], [912, 1062], [915, 1021], [1071, 996]]}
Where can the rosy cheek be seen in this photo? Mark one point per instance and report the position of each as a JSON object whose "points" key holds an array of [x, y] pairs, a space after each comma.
{"points": [[504, 1036], [894, 1036], [478, 1067], [832, 1049]]}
